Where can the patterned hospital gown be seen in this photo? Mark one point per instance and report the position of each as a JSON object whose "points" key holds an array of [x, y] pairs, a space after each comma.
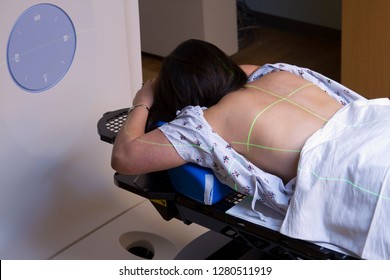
{"points": [[196, 142]]}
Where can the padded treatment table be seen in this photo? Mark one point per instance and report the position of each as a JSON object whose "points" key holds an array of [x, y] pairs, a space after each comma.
{"points": [[246, 236]]}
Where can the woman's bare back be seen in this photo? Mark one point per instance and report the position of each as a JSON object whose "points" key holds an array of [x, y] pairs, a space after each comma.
{"points": [[270, 120]]}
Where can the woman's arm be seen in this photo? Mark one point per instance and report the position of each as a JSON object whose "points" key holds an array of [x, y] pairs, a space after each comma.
{"points": [[135, 152]]}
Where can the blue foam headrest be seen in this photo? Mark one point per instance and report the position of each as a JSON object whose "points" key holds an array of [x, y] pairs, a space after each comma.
{"points": [[197, 182]]}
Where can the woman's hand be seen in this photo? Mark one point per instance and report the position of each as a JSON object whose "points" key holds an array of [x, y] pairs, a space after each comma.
{"points": [[145, 94], [134, 151]]}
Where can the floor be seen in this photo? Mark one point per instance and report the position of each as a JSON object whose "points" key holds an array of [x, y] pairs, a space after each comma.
{"points": [[267, 44]]}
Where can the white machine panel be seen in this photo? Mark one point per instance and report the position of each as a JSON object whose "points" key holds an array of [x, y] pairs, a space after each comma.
{"points": [[62, 65]]}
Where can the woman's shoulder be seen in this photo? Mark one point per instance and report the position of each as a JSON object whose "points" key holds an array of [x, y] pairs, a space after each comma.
{"points": [[249, 68], [190, 111], [189, 115]]}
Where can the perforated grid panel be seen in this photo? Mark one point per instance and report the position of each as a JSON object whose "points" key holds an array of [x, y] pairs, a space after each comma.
{"points": [[115, 123], [235, 198]]}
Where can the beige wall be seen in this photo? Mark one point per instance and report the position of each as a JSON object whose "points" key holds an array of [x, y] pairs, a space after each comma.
{"points": [[165, 24]]}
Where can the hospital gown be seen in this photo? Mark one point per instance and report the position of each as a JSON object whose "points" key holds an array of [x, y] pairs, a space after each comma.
{"points": [[196, 142]]}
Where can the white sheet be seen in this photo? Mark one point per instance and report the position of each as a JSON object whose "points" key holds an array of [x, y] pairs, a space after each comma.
{"points": [[342, 193], [243, 210], [273, 220]]}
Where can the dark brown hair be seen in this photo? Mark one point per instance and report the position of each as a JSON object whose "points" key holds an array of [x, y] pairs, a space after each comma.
{"points": [[195, 73]]}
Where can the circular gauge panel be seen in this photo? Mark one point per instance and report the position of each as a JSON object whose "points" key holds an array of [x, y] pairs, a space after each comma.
{"points": [[41, 47]]}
